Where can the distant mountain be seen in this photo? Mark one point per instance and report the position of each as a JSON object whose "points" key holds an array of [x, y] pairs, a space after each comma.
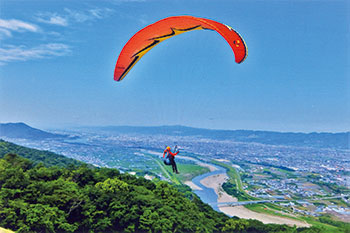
{"points": [[36, 156], [21, 130], [317, 140]]}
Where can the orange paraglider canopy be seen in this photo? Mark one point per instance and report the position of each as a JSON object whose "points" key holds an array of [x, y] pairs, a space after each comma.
{"points": [[145, 39]]}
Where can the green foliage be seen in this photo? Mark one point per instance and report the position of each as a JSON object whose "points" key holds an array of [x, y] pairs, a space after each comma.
{"points": [[113, 186], [232, 225], [83, 199], [327, 219], [234, 185], [185, 190], [232, 190], [333, 187], [36, 156]]}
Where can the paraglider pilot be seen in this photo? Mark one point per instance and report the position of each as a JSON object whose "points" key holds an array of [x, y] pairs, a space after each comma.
{"points": [[171, 157]]}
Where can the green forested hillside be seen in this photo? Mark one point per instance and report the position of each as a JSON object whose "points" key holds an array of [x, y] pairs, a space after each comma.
{"points": [[36, 156], [83, 199]]}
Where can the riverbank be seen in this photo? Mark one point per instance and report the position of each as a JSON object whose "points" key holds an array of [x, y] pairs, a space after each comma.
{"points": [[215, 182], [192, 185], [242, 212]]}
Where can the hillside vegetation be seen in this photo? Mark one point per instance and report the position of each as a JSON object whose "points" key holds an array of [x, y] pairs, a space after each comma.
{"points": [[83, 199], [36, 156], [53, 193]]}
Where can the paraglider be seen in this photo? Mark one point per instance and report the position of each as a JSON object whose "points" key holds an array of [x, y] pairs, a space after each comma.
{"points": [[170, 158], [148, 37], [145, 39]]}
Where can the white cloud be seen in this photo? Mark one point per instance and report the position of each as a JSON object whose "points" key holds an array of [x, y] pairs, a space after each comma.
{"points": [[99, 13], [77, 16], [70, 16], [12, 53], [22, 53], [92, 14], [52, 18], [17, 25], [4, 33], [7, 26]]}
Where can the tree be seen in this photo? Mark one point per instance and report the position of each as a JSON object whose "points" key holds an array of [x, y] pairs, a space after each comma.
{"points": [[233, 225]]}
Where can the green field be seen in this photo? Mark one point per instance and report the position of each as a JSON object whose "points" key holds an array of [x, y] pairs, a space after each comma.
{"points": [[326, 228], [272, 209], [234, 185], [188, 171], [324, 223]]}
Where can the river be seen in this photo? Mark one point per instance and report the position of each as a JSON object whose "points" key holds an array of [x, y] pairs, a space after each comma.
{"points": [[208, 195]]}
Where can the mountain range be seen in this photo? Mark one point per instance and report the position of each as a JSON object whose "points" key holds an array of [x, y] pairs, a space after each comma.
{"points": [[22, 130], [316, 140]]}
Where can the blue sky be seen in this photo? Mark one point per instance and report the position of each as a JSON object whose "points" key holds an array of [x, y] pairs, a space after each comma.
{"points": [[57, 61]]}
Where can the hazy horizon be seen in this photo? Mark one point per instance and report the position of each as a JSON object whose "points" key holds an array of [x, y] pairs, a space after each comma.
{"points": [[71, 127]]}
